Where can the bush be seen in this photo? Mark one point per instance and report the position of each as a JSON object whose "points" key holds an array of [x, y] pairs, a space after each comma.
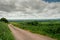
{"points": [[55, 29], [4, 20], [34, 23]]}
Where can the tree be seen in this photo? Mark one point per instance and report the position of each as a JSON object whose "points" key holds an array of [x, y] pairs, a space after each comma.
{"points": [[4, 20]]}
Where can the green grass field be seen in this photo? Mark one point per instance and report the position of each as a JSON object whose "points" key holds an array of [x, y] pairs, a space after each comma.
{"points": [[48, 28], [5, 33]]}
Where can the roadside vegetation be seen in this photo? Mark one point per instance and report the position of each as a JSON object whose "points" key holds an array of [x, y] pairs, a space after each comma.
{"points": [[5, 33], [47, 28]]}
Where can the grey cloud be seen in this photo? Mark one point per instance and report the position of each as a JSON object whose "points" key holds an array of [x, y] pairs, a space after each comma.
{"points": [[6, 8], [10, 5], [32, 9], [7, 5], [16, 5]]}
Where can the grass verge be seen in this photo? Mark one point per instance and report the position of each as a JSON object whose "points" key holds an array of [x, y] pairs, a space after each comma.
{"points": [[5, 33]]}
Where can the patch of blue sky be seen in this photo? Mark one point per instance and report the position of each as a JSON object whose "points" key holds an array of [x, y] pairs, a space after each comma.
{"points": [[51, 1]]}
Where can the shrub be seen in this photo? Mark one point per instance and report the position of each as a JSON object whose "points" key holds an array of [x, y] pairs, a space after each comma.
{"points": [[4, 20], [34, 23]]}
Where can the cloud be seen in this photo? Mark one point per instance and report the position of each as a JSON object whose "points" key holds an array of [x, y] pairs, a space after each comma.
{"points": [[29, 9]]}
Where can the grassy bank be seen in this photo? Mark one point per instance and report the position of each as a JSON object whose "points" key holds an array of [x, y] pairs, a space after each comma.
{"points": [[5, 33], [49, 28]]}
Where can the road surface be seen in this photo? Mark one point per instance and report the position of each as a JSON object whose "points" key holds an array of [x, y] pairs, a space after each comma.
{"points": [[20, 34]]}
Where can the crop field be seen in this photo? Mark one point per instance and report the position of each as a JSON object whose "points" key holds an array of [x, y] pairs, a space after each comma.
{"points": [[48, 28], [5, 33]]}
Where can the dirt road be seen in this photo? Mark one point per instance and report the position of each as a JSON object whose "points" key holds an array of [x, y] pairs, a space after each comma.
{"points": [[20, 34]]}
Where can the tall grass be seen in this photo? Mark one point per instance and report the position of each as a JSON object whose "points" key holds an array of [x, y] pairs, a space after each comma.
{"points": [[49, 28], [5, 33]]}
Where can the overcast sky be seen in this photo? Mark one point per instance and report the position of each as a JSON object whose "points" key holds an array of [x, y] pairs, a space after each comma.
{"points": [[30, 9]]}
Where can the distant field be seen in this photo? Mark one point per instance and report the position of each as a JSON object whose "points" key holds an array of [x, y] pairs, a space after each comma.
{"points": [[49, 28], [5, 33]]}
